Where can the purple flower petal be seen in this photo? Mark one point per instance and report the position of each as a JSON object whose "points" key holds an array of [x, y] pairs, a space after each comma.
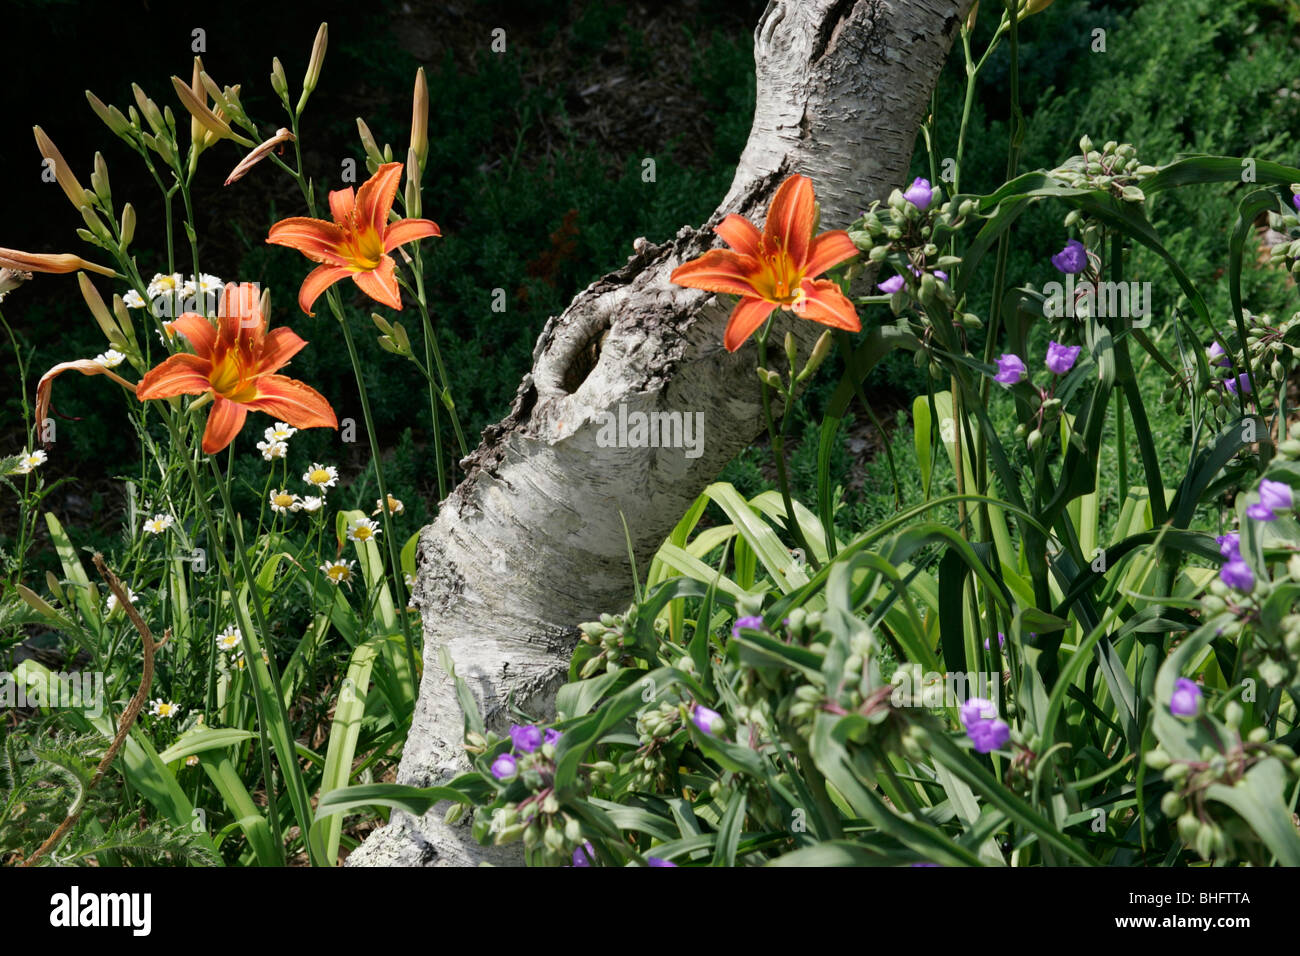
{"points": [[1072, 259], [505, 767], [891, 285], [919, 194], [526, 739], [1186, 698], [1061, 358], [1010, 370]]}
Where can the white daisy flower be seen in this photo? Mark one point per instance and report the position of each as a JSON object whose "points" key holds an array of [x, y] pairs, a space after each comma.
{"points": [[395, 506], [363, 529], [229, 639], [273, 449], [340, 572], [189, 288], [206, 283], [110, 359], [311, 503], [167, 334], [322, 476], [280, 431], [165, 285], [111, 604], [163, 708], [29, 461], [241, 662], [283, 502], [158, 524], [133, 300]]}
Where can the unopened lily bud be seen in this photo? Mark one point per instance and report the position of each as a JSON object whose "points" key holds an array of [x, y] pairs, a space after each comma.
{"points": [[99, 180], [128, 224], [791, 349], [314, 64], [149, 110], [97, 228], [420, 118], [368, 142], [970, 17], [279, 82], [75, 192], [111, 116], [412, 185], [819, 353]]}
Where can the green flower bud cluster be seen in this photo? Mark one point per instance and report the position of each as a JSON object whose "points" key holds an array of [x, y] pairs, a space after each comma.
{"points": [[611, 635], [1287, 223], [539, 822], [1114, 168], [1189, 781], [655, 727]]}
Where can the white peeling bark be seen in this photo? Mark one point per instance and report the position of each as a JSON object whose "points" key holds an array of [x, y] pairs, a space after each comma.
{"points": [[532, 540]]}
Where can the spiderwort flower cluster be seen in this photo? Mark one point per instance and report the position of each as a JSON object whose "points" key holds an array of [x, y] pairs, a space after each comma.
{"points": [[1274, 496], [1235, 572], [983, 727], [1073, 259]]}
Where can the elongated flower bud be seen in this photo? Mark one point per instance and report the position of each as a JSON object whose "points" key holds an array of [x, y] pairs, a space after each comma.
{"points": [[420, 118], [52, 262], [368, 142], [281, 136], [111, 116], [99, 181], [279, 82], [128, 224], [970, 17], [149, 110], [75, 192], [314, 64]]}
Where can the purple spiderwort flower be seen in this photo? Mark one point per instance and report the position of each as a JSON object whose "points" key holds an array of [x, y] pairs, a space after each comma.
{"points": [[919, 194], [1186, 698], [1002, 641], [657, 861], [986, 731], [505, 767], [584, 855], [1229, 545], [551, 736], [526, 739], [1241, 382], [709, 721], [891, 285], [1276, 494], [1215, 355], [1236, 573], [923, 864], [940, 274], [1061, 358], [753, 623], [1295, 201], [1010, 370], [1072, 259]]}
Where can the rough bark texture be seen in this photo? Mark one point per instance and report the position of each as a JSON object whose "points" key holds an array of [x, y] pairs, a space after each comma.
{"points": [[532, 541]]}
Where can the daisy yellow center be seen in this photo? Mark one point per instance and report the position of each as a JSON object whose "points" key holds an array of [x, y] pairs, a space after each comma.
{"points": [[283, 501], [339, 572], [320, 476], [229, 380], [361, 533], [165, 710]]}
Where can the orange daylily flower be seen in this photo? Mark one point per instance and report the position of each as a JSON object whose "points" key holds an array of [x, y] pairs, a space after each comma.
{"points": [[776, 267], [356, 244], [236, 362]]}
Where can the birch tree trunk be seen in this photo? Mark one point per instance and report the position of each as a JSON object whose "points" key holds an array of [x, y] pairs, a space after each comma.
{"points": [[532, 541]]}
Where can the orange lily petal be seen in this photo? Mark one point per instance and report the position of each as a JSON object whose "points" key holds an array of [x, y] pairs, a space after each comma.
{"points": [[224, 422], [829, 250], [294, 402], [342, 202], [279, 346], [739, 233], [85, 366], [197, 330], [408, 230], [380, 284], [790, 217], [745, 320], [317, 281], [314, 238], [181, 374], [718, 270], [824, 302], [375, 197]]}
